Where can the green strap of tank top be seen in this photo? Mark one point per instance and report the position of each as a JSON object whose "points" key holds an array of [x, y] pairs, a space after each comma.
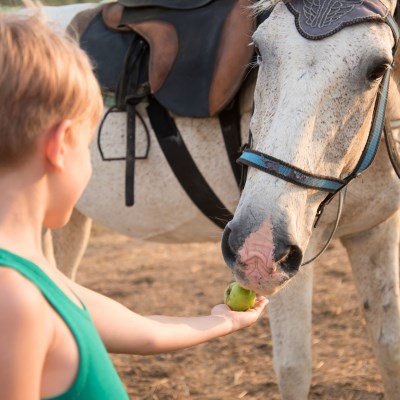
{"points": [[97, 378]]}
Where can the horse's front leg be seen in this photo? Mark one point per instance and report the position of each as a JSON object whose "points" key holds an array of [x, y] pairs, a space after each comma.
{"points": [[374, 256], [69, 243], [290, 319]]}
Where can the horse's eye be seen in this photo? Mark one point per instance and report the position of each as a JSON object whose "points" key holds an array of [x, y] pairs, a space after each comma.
{"points": [[377, 72], [257, 51]]}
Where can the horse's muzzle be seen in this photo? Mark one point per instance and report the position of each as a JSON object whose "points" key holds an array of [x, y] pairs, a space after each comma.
{"points": [[261, 263]]}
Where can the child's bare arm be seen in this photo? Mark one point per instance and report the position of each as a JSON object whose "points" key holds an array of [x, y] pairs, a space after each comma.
{"points": [[24, 337], [182, 332], [124, 331]]}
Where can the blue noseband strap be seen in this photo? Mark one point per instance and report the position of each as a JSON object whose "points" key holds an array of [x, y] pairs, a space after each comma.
{"points": [[280, 169]]}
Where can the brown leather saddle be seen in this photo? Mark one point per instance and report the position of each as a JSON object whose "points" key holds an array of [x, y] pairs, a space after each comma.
{"points": [[199, 49], [187, 57]]}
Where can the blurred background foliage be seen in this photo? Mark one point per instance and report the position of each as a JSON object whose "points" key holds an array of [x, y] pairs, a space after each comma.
{"points": [[16, 3]]}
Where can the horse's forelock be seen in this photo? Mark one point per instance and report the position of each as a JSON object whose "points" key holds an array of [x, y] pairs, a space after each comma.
{"points": [[263, 5]]}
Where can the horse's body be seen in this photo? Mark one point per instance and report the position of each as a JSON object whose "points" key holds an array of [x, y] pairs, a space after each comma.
{"points": [[162, 210], [313, 109]]}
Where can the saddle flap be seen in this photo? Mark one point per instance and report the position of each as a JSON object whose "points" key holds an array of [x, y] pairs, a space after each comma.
{"points": [[163, 41], [212, 54], [161, 36], [234, 54], [112, 14], [198, 57]]}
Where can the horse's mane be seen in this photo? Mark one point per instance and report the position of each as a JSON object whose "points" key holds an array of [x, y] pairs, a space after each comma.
{"points": [[263, 5]]}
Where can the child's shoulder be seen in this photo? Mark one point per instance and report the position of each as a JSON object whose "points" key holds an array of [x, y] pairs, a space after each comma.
{"points": [[21, 302], [26, 332]]}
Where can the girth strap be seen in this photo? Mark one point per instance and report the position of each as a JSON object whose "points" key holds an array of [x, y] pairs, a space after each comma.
{"points": [[183, 165]]}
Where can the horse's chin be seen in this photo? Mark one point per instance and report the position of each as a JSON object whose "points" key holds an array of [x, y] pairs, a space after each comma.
{"points": [[261, 282]]}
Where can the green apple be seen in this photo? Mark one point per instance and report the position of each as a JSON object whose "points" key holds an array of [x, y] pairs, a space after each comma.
{"points": [[238, 298]]}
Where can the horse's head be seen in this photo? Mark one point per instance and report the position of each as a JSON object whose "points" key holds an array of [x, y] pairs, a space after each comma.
{"points": [[313, 108]]}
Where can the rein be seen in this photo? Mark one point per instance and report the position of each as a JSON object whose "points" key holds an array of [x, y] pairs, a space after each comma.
{"points": [[332, 185]]}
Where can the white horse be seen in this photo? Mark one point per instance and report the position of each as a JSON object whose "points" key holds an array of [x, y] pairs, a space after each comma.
{"points": [[313, 108]]}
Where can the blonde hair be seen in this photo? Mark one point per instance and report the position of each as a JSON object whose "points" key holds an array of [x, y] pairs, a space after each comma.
{"points": [[44, 78]]}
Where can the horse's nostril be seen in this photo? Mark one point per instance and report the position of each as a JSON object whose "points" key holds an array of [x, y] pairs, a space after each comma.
{"points": [[289, 258], [227, 250]]}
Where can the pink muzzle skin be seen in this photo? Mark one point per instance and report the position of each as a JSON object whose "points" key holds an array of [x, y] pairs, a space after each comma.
{"points": [[257, 253]]}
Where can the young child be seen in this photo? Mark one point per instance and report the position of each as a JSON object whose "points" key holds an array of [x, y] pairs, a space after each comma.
{"points": [[53, 332]]}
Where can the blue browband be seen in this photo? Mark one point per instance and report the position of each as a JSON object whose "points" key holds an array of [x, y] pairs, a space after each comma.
{"points": [[300, 177]]}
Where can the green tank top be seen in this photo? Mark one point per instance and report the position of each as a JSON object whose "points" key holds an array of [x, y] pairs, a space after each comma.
{"points": [[97, 378]]}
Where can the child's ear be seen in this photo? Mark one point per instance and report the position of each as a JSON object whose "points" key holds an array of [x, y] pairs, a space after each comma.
{"points": [[56, 139]]}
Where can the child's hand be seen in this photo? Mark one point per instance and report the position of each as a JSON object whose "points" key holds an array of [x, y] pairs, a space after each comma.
{"points": [[241, 319]]}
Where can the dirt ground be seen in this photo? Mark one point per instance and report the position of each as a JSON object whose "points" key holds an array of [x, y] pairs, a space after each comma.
{"points": [[154, 278]]}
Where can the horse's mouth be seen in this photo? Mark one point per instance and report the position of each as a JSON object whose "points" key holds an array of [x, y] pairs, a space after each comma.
{"points": [[259, 279]]}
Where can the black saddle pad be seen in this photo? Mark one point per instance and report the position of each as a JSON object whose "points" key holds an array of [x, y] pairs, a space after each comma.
{"points": [[107, 50]]}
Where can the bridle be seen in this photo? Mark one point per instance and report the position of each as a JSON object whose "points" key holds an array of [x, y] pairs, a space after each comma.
{"points": [[332, 185]]}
